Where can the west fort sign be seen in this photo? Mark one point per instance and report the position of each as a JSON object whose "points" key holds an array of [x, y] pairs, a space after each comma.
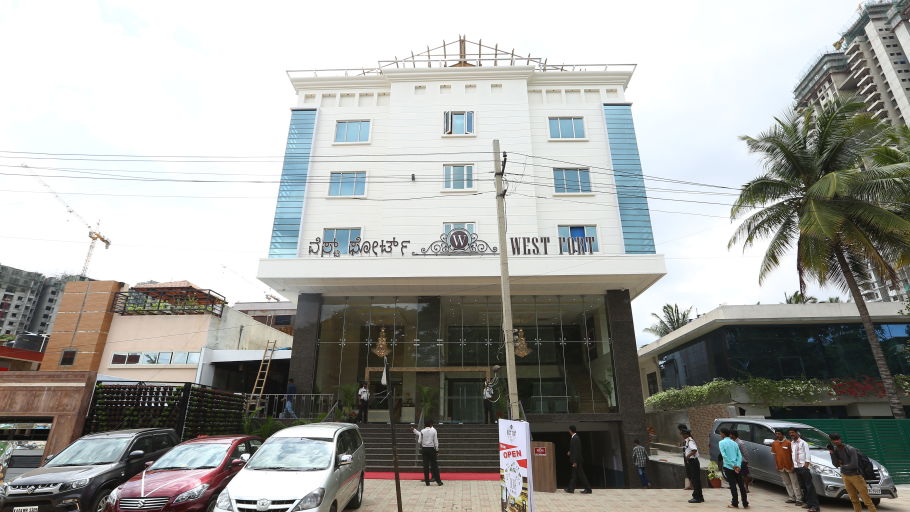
{"points": [[456, 242]]}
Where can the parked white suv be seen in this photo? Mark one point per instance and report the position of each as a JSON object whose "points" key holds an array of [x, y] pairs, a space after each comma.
{"points": [[317, 467]]}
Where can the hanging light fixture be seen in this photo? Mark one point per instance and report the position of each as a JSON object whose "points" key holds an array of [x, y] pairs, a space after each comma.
{"points": [[382, 345], [521, 345]]}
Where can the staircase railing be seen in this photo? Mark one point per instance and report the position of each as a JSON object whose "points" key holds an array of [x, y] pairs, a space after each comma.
{"points": [[331, 411]]}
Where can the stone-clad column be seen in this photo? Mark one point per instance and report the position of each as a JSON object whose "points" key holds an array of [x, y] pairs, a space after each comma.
{"points": [[628, 381], [304, 351]]}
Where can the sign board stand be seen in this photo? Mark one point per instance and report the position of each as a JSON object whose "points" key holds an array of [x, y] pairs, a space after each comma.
{"points": [[516, 477]]}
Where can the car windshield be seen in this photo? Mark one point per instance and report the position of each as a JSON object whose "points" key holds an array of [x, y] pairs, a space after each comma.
{"points": [[815, 438], [87, 452], [192, 456], [293, 454]]}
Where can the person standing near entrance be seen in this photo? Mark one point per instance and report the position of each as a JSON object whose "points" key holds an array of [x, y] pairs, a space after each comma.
{"points": [[488, 416], [744, 467], [429, 451], [733, 460], [577, 460], [640, 457], [800, 452], [693, 467], [780, 447], [363, 400], [846, 458], [289, 399]]}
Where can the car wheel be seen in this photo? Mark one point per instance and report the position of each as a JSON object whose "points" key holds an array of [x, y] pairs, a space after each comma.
{"points": [[876, 501], [100, 502], [211, 506], [334, 507], [357, 499]]}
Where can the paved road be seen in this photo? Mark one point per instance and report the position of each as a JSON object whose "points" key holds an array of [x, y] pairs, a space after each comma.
{"points": [[462, 496]]}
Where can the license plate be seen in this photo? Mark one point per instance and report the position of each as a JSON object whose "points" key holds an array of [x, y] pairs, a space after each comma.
{"points": [[873, 489], [26, 509]]}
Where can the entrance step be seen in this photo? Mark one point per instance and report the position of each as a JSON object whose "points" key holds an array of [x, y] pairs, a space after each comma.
{"points": [[462, 448]]}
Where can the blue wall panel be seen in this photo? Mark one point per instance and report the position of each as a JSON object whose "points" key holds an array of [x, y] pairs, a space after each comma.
{"points": [[292, 190], [634, 215]]}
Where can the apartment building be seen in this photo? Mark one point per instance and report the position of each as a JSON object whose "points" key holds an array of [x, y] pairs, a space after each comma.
{"points": [[28, 301], [385, 234], [869, 62]]}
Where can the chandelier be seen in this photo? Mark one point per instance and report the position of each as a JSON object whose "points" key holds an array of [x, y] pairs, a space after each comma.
{"points": [[382, 345], [521, 345]]}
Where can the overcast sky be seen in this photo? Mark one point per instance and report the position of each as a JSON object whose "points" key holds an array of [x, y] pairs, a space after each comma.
{"points": [[208, 78]]}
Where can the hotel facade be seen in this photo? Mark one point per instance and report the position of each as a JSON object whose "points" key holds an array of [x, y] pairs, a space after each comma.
{"points": [[385, 232]]}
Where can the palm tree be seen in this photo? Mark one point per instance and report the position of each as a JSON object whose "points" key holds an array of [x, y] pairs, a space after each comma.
{"points": [[799, 297], [672, 318], [833, 300], [816, 195]]}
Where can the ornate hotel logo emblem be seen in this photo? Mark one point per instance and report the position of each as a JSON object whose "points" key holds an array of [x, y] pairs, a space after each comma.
{"points": [[511, 433], [263, 505], [457, 242]]}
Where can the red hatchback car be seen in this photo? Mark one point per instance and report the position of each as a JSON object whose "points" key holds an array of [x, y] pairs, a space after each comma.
{"points": [[188, 478]]}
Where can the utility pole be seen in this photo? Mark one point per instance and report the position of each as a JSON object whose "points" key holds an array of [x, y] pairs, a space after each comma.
{"points": [[506, 288]]}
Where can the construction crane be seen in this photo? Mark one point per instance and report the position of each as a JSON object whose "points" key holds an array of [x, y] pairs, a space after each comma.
{"points": [[93, 231]]}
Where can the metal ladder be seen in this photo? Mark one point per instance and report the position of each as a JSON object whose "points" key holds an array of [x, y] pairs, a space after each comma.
{"points": [[262, 376]]}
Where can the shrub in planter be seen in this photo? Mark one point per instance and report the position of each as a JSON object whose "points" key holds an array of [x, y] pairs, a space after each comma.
{"points": [[714, 475]]}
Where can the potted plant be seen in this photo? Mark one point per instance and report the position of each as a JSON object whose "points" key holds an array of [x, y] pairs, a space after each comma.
{"points": [[713, 475]]}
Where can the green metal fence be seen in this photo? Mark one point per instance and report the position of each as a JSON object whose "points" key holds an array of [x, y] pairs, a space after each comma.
{"points": [[887, 441]]}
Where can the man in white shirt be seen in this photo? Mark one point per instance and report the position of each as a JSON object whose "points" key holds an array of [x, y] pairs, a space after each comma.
{"points": [[693, 467], [429, 451], [799, 450], [363, 401]]}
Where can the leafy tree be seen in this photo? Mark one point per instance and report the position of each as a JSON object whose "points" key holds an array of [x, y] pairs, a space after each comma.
{"points": [[670, 320], [832, 300], [799, 297], [817, 197]]}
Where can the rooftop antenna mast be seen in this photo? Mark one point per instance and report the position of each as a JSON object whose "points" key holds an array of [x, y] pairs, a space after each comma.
{"points": [[93, 231]]}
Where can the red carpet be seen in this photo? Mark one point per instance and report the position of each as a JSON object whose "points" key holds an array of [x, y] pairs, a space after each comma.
{"points": [[379, 475]]}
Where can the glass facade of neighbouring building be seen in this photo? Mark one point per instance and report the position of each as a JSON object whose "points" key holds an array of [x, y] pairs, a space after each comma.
{"points": [[822, 351], [447, 343], [630, 185], [292, 189]]}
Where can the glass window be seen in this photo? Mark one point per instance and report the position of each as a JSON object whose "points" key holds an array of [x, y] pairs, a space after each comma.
{"points": [[567, 128], [149, 358], [459, 123], [192, 358], [571, 181], [459, 177], [292, 454], [254, 445], [344, 236], [68, 358], [352, 131], [347, 183], [87, 452], [118, 359], [192, 456], [179, 358], [578, 239], [132, 358], [164, 357], [744, 430], [467, 226]]}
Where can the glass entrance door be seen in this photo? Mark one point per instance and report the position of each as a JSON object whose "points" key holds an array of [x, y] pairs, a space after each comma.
{"points": [[465, 400]]}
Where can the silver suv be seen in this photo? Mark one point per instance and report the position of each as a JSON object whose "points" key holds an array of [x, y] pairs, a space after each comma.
{"points": [[759, 433]]}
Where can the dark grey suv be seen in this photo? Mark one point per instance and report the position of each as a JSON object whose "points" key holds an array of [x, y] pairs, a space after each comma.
{"points": [[80, 477]]}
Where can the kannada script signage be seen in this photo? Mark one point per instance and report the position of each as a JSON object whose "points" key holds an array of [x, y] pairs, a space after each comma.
{"points": [[457, 242]]}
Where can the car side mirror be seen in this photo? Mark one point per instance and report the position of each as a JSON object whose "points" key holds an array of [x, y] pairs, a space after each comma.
{"points": [[238, 462], [768, 442], [149, 463], [245, 457], [49, 457], [135, 454], [345, 459]]}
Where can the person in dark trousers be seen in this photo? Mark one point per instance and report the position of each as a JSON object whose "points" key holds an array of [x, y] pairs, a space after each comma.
{"points": [[744, 469], [488, 415], [799, 450], [289, 399], [733, 462], [640, 456], [429, 451], [363, 401], [577, 460], [846, 458], [693, 467]]}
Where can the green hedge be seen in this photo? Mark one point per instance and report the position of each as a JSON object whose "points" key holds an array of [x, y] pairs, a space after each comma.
{"points": [[764, 391]]}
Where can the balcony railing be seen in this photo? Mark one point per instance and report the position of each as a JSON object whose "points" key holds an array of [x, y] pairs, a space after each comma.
{"points": [[309, 407]]}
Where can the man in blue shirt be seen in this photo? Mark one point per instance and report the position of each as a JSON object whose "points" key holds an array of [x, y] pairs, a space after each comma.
{"points": [[733, 460]]}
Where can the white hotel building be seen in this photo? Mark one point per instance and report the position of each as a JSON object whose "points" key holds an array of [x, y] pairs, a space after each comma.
{"points": [[387, 168]]}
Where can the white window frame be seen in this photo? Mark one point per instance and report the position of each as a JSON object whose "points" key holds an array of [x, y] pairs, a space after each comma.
{"points": [[584, 225], [446, 228], [448, 123], [445, 182], [342, 227], [339, 121], [354, 196], [581, 193], [584, 126]]}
